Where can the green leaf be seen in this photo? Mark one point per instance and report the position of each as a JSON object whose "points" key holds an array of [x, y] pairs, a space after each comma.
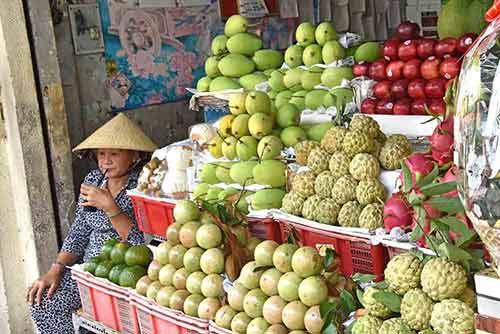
{"points": [[363, 278], [329, 328], [429, 178], [453, 253], [391, 300], [414, 199], [359, 294], [407, 180], [417, 233], [450, 205], [438, 188], [347, 302], [326, 307], [417, 253], [437, 225], [381, 285], [291, 239], [261, 268], [328, 258], [328, 322]]}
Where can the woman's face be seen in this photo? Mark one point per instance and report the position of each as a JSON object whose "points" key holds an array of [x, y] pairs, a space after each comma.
{"points": [[115, 162]]}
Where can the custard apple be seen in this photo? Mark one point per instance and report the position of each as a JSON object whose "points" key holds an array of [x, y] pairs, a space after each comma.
{"points": [[365, 124], [416, 309], [364, 166], [373, 306], [349, 214], [318, 160], [310, 207], [426, 331], [372, 216], [303, 184], [395, 326], [324, 184], [400, 139], [292, 203], [328, 211], [392, 153], [367, 324], [468, 296], [344, 189], [442, 279], [339, 164], [370, 191], [332, 140], [377, 147], [452, 316], [357, 142], [402, 273], [302, 150], [381, 137]]}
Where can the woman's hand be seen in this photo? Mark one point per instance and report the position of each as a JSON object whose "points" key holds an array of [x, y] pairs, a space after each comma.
{"points": [[50, 280], [97, 197]]}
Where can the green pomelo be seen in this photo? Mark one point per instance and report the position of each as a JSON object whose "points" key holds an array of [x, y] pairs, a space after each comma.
{"points": [[269, 281], [282, 98], [267, 59], [260, 125], [293, 56], [310, 79], [257, 326], [325, 32], [272, 309], [263, 253], [118, 252], [293, 315], [179, 278], [288, 286], [235, 65], [235, 24], [187, 234], [267, 199], [192, 258], [212, 286], [292, 78], [248, 277], [369, 52], [257, 102], [153, 290], [236, 295], [154, 270], [237, 103], [253, 302], [229, 147], [219, 45], [129, 276], [313, 291], [306, 262], [161, 253], [332, 51], [292, 135], [282, 257], [166, 274], [163, 296], [269, 147], [193, 282], [271, 173], [313, 321], [288, 115], [241, 172], [106, 249], [240, 323], [317, 132], [224, 316], [249, 81], [173, 233], [246, 148], [176, 255], [191, 305], [239, 127], [212, 261], [244, 43], [203, 85], [333, 76], [276, 81], [177, 299], [209, 236], [208, 308], [223, 83], [314, 99], [211, 68], [142, 285], [304, 34], [312, 55]]}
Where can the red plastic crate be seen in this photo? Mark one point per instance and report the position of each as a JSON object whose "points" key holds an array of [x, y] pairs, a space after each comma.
{"points": [[357, 255], [264, 228], [106, 302], [153, 217], [214, 329], [155, 319]]}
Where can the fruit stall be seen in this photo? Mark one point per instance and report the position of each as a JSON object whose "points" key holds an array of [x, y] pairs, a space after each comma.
{"points": [[340, 186]]}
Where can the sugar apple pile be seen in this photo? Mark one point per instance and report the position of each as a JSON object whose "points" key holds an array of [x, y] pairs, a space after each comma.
{"points": [[434, 299], [345, 168]]}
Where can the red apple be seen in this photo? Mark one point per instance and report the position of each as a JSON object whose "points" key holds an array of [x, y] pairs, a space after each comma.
{"points": [[376, 71], [449, 68], [436, 106], [360, 69], [416, 89], [407, 50], [411, 70], [408, 30], [447, 46], [399, 89], [368, 106], [430, 68], [402, 107], [465, 42], [425, 48], [390, 49], [384, 107], [382, 90], [435, 88], [394, 70], [418, 107]]}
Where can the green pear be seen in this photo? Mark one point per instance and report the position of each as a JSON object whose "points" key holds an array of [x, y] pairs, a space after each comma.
{"points": [[305, 34], [219, 45], [208, 174], [271, 173], [241, 172], [246, 148], [215, 147], [235, 65], [293, 56], [211, 68], [312, 55], [310, 79], [235, 24], [314, 98], [276, 81], [282, 98], [298, 99], [229, 147], [203, 85], [292, 135], [332, 51], [325, 32], [239, 127], [260, 125], [288, 115], [237, 103], [269, 147], [257, 102], [292, 78], [272, 96]]}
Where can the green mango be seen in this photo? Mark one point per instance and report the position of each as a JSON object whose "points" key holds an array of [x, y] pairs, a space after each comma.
{"points": [[223, 83], [235, 24], [246, 148], [317, 132], [267, 59], [369, 52], [325, 32], [288, 115], [236, 65], [219, 45], [250, 80], [282, 98], [332, 51], [269, 147], [276, 81], [292, 135], [267, 199], [244, 43], [292, 78], [270, 173], [333, 76], [241, 172], [211, 68], [310, 79], [312, 55], [305, 34], [299, 99], [239, 127], [203, 85], [222, 172], [314, 99]]}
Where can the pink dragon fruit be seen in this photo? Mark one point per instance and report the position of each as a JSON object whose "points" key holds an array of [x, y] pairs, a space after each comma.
{"points": [[441, 142], [419, 165], [397, 213], [442, 158], [450, 176]]}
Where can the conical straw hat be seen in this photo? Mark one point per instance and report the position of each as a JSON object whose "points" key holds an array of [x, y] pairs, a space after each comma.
{"points": [[118, 133]]}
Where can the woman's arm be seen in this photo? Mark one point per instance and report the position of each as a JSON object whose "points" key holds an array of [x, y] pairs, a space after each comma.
{"points": [[120, 221]]}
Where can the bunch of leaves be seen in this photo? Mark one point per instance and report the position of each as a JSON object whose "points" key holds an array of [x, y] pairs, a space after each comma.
{"points": [[336, 311]]}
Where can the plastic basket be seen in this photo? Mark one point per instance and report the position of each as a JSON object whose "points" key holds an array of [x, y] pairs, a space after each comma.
{"points": [[106, 302], [214, 329], [153, 217], [264, 228], [155, 319], [357, 255]]}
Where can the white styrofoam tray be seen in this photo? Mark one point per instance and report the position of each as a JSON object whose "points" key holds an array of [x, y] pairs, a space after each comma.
{"points": [[410, 126]]}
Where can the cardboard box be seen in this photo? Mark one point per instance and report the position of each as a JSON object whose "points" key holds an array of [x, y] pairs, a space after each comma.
{"points": [[488, 294]]}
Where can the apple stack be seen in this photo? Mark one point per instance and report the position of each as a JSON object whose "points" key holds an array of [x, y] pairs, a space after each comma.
{"points": [[414, 72]]}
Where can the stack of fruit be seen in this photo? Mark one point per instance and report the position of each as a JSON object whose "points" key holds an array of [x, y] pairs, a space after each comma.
{"points": [[279, 292], [419, 296], [413, 73], [237, 59], [186, 274], [342, 186], [120, 262]]}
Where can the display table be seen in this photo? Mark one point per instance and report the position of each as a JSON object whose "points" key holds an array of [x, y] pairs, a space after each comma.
{"points": [[81, 320]]}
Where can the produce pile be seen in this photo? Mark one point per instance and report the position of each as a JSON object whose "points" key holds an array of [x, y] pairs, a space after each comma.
{"points": [[342, 185]]}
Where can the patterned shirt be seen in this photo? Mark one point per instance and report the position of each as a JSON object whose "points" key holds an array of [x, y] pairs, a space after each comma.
{"points": [[91, 229]]}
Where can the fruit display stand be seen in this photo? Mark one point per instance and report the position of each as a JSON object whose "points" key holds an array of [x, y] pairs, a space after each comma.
{"points": [[410, 126], [82, 320], [105, 302]]}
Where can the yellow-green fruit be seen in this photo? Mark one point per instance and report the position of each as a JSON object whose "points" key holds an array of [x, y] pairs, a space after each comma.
{"points": [[310, 79], [292, 135], [225, 125], [223, 83], [368, 52], [292, 203], [229, 147], [235, 65], [333, 138], [292, 78], [452, 316], [224, 316], [215, 147], [249, 81], [267, 199], [333, 76], [325, 32], [299, 99], [267, 59], [402, 273], [246, 148], [293, 315], [240, 323], [442, 279], [339, 164], [276, 81], [344, 189], [304, 34], [303, 149], [372, 216], [244, 43], [288, 115], [365, 124], [328, 212], [313, 321], [271, 173], [364, 166], [367, 324], [260, 125], [416, 309], [310, 207], [257, 102], [374, 307], [239, 127], [349, 214], [356, 142], [317, 132], [370, 191], [222, 172], [303, 184], [219, 45], [318, 160], [203, 85], [469, 297], [314, 99], [235, 24], [395, 326], [332, 51], [211, 68], [293, 56], [237, 103], [312, 55], [392, 153], [269, 148], [241, 172], [324, 183]]}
